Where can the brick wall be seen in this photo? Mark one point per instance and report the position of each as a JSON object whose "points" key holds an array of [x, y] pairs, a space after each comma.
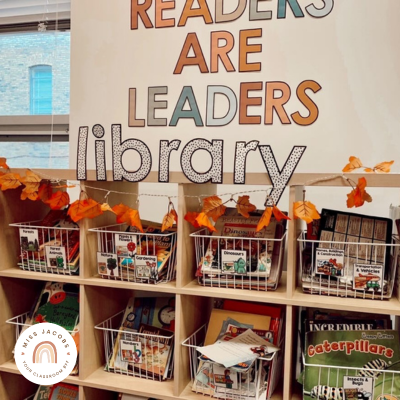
{"points": [[20, 51]]}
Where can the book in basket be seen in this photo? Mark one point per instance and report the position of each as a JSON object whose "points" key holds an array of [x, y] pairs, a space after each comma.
{"points": [[351, 364]]}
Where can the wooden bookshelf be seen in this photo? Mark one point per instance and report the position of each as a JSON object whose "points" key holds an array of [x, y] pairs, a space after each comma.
{"points": [[102, 298]]}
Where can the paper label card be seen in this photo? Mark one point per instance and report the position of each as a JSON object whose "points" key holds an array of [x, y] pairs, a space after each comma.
{"points": [[146, 267], [329, 262], [225, 377], [356, 386], [107, 264], [125, 244], [29, 239], [55, 257], [368, 277], [234, 262], [131, 351]]}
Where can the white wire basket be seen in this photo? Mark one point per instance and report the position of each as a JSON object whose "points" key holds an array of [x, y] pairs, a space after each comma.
{"points": [[366, 270], [30, 397], [140, 354], [148, 257], [328, 382], [53, 250], [209, 378], [24, 321], [238, 262]]}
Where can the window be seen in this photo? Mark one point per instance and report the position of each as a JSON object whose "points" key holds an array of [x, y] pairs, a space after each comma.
{"points": [[41, 90]]}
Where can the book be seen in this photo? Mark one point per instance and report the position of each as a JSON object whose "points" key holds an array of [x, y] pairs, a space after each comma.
{"points": [[43, 393], [63, 391], [351, 362]]}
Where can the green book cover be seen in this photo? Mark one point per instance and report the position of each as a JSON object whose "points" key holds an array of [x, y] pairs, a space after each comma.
{"points": [[352, 365]]}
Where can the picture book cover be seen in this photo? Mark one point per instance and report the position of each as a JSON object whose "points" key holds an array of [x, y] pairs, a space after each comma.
{"points": [[58, 304], [349, 362], [43, 393], [64, 391]]}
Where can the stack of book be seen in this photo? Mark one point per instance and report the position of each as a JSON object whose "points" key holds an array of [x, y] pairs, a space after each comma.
{"points": [[351, 356], [58, 303], [236, 255], [147, 258], [57, 392], [144, 343], [52, 243], [244, 373]]}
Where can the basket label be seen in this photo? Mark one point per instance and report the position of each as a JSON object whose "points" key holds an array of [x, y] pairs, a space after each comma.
{"points": [[355, 385], [131, 351], [125, 244], [29, 239], [146, 267], [107, 264], [329, 262], [55, 257], [234, 262], [368, 277]]}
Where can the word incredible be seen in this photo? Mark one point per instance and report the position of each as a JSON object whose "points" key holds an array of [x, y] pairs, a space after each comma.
{"points": [[361, 346]]}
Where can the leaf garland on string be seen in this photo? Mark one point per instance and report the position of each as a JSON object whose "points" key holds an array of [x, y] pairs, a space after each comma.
{"points": [[213, 208], [306, 211], [86, 208], [32, 184], [355, 163], [58, 200], [266, 217], [191, 217], [244, 207], [128, 215], [170, 218], [358, 195], [3, 163], [45, 192], [10, 181], [204, 220]]}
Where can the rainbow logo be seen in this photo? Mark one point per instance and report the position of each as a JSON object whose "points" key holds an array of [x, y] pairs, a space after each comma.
{"points": [[45, 348]]}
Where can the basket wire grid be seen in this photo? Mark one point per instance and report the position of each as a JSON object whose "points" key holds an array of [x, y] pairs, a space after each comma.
{"points": [[354, 253], [330, 377], [50, 236], [266, 373], [146, 244], [265, 269], [152, 366], [30, 397]]}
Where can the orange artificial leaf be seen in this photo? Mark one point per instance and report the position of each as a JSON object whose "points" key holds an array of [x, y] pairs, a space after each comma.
{"points": [[168, 221], [45, 192], [106, 207], [213, 207], [278, 214], [127, 215], [3, 163], [203, 220], [31, 182], [87, 208], [31, 196], [358, 195], [58, 200], [10, 181], [244, 206], [265, 219], [306, 211], [354, 163], [64, 187], [383, 167], [175, 214], [191, 218]]}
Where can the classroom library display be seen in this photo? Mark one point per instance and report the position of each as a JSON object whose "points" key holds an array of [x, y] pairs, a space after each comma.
{"points": [[181, 316]]}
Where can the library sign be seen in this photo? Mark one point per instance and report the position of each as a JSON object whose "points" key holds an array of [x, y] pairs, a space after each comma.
{"points": [[205, 86]]}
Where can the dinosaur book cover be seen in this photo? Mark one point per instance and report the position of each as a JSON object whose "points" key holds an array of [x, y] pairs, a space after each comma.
{"points": [[352, 364]]}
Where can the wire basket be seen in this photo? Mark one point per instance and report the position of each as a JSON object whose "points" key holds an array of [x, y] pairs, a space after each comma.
{"points": [[336, 382], [30, 397], [140, 354], [24, 321], [148, 257], [210, 378], [362, 270], [238, 262], [53, 250]]}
